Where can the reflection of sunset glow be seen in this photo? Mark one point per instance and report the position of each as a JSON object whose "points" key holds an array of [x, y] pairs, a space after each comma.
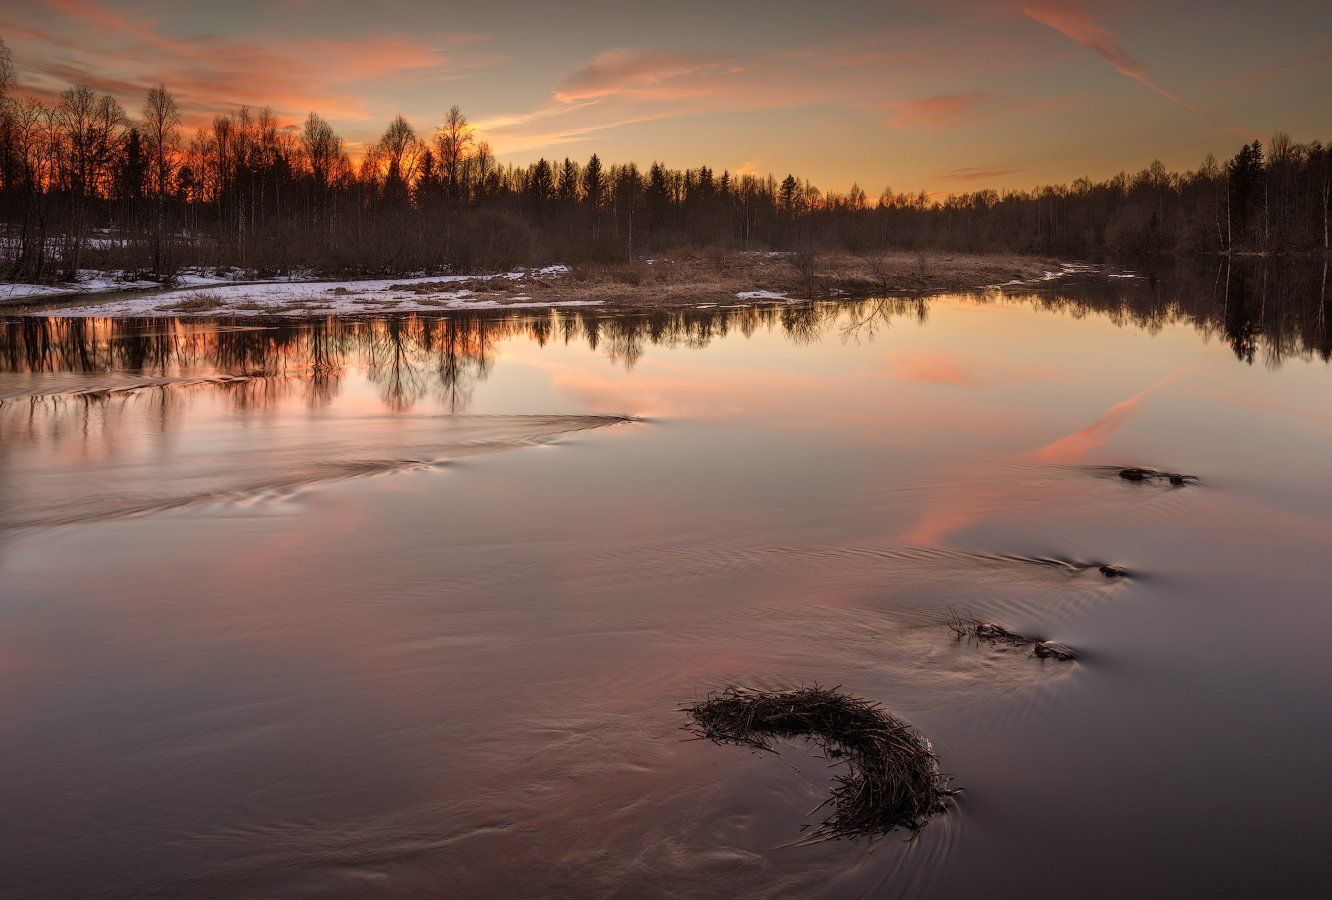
{"points": [[1076, 446], [933, 368], [938, 523], [418, 552]]}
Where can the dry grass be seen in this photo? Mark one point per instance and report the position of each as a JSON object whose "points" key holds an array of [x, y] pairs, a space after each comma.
{"points": [[689, 278], [893, 777], [200, 302], [475, 285], [965, 626], [692, 277]]}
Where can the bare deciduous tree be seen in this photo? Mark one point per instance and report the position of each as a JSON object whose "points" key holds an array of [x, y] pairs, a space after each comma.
{"points": [[161, 131], [453, 146]]}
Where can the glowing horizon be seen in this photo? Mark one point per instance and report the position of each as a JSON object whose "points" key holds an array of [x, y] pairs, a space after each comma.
{"points": [[939, 97]]}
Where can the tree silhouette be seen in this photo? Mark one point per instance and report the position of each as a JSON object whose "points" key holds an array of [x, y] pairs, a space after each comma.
{"points": [[251, 191]]}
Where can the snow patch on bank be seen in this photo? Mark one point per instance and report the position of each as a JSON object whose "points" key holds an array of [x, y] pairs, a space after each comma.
{"points": [[1065, 271], [89, 282], [762, 295], [425, 293], [95, 281]]}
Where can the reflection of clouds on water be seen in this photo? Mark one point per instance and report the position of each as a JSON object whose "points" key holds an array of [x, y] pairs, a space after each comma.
{"points": [[934, 367], [1076, 446]]}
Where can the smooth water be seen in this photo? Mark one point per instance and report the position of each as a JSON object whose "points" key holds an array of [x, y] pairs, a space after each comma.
{"points": [[409, 606]]}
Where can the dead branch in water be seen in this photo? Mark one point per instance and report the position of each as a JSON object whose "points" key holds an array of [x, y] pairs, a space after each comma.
{"points": [[893, 778]]}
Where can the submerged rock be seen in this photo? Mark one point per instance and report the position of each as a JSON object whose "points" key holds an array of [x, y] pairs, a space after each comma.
{"points": [[1110, 571], [1135, 474]]}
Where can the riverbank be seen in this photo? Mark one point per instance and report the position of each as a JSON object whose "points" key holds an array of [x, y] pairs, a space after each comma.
{"points": [[694, 280]]}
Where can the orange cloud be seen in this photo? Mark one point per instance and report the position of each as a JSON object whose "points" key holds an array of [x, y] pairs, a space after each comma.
{"points": [[105, 20], [939, 111], [1076, 26], [977, 173], [125, 53], [635, 74], [630, 85], [519, 141]]}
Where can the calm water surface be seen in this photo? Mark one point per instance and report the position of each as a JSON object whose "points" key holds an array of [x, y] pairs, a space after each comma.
{"points": [[396, 607]]}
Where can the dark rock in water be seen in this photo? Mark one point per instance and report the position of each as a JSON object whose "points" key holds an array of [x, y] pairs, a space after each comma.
{"points": [[1137, 474], [1051, 650], [1112, 571], [992, 632]]}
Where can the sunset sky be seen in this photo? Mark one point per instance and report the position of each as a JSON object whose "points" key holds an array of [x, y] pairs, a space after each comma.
{"points": [[943, 96]]}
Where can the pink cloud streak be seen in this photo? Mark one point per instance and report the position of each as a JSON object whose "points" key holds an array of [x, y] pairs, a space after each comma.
{"points": [[125, 53], [1077, 26]]}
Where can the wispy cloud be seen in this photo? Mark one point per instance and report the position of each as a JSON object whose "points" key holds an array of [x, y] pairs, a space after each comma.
{"points": [[940, 111], [640, 75], [1076, 25], [518, 138], [60, 42], [1268, 73], [893, 71], [976, 173]]}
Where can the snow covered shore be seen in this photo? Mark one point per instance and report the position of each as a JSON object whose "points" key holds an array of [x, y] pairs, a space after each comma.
{"points": [[202, 296], [688, 281]]}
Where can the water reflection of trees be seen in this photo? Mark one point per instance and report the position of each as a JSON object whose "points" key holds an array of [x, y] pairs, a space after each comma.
{"points": [[1269, 312], [407, 358]]}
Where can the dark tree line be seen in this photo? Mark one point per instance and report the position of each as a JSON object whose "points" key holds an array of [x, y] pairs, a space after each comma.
{"points": [[85, 184]]}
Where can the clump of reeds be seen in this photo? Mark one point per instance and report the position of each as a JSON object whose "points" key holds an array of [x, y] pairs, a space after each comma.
{"points": [[977, 629], [892, 778]]}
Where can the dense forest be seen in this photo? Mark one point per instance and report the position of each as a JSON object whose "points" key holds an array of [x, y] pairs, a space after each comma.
{"points": [[86, 184]]}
